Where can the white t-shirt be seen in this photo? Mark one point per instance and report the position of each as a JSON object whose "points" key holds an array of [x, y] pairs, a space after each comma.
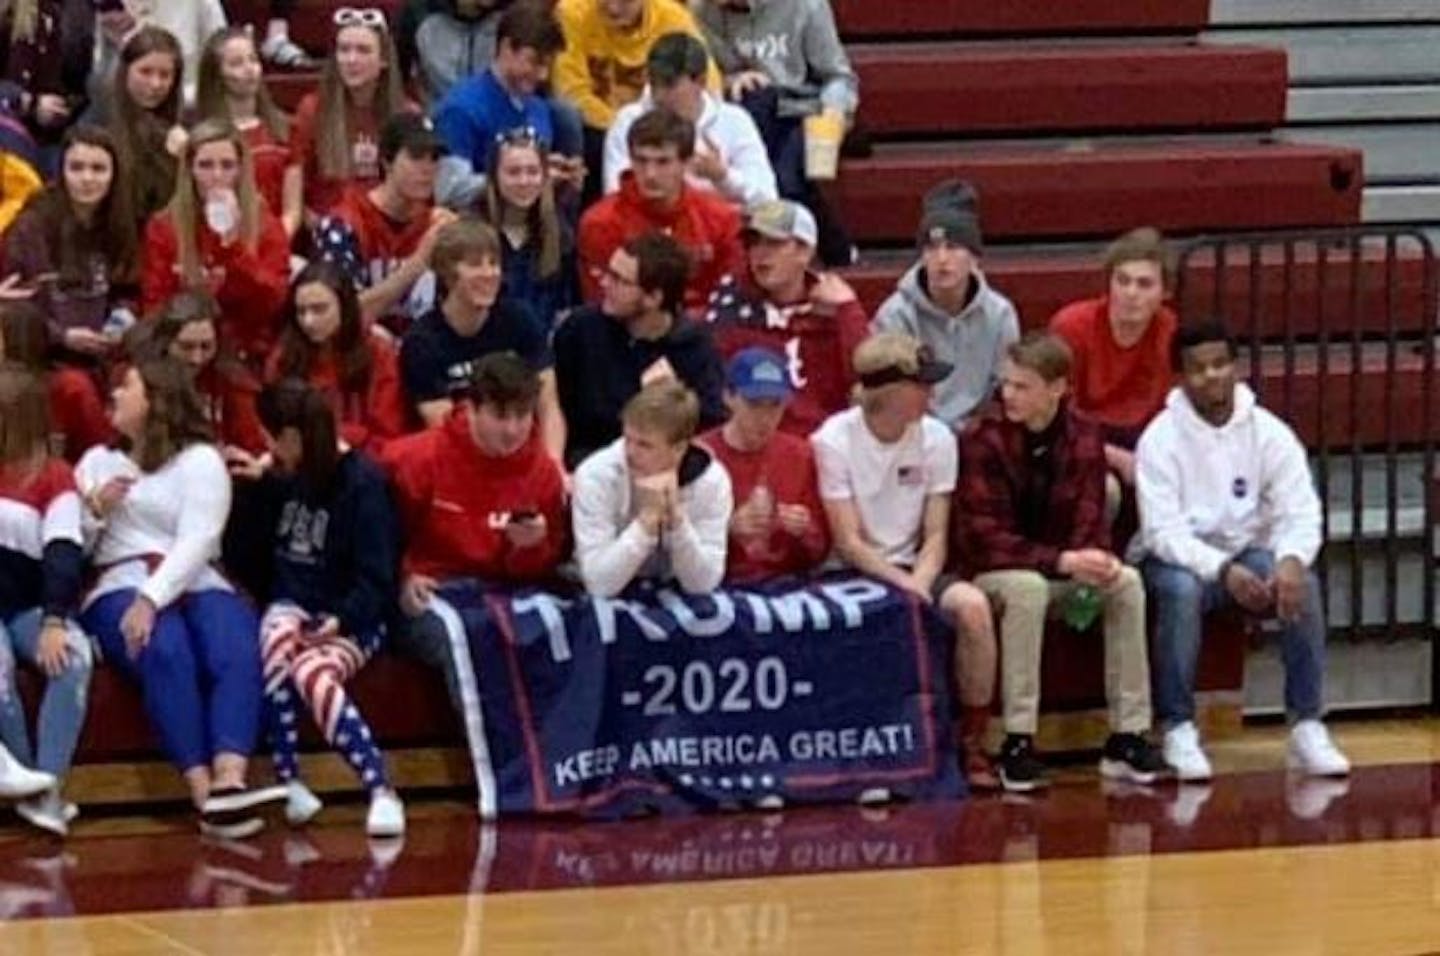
{"points": [[888, 483]]}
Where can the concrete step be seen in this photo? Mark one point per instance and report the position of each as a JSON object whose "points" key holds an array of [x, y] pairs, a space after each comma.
{"points": [[1357, 104], [1349, 55], [1276, 12], [1395, 153], [1401, 204]]}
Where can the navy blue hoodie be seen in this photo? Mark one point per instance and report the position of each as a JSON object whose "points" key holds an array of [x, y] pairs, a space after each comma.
{"points": [[337, 553]]}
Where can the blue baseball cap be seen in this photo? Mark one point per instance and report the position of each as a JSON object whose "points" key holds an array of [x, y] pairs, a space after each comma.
{"points": [[759, 375]]}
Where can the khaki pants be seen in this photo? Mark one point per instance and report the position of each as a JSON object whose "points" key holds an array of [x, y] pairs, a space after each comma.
{"points": [[1028, 597]]}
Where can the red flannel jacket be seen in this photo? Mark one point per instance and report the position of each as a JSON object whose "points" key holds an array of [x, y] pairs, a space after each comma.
{"points": [[986, 514]]}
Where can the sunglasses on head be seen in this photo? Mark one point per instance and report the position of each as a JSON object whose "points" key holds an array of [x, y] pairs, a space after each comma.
{"points": [[519, 136], [372, 17]]}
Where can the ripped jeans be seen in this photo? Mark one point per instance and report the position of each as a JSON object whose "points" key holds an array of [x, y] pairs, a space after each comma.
{"points": [[62, 710]]}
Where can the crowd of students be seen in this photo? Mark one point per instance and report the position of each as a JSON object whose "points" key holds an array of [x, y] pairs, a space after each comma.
{"points": [[271, 387]]}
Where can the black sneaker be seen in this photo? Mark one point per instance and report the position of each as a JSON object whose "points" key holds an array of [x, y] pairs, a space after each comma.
{"points": [[1132, 757], [1020, 771]]}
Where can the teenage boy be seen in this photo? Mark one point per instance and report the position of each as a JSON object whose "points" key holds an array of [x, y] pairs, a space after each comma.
{"points": [[1031, 530], [945, 302], [887, 473], [778, 529], [652, 505], [637, 334], [1229, 516]]}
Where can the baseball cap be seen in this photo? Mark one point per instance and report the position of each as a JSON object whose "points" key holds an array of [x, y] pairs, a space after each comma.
{"points": [[891, 357], [411, 133], [758, 374], [782, 219]]}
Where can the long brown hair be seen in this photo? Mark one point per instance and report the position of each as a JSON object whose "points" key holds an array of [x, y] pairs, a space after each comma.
{"points": [[24, 416], [211, 101], [176, 419], [140, 133], [24, 335], [332, 129], [184, 208], [350, 345], [111, 235], [541, 221]]}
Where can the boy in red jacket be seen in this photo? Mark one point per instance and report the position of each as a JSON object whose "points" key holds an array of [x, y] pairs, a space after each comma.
{"points": [[778, 528], [479, 498], [653, 196]]}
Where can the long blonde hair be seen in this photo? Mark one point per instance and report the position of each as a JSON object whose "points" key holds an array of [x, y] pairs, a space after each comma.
{"points": [[24, 20], [210, 97], [332, 130], [184, 205]]}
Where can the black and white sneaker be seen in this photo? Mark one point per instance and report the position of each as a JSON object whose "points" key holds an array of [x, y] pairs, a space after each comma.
{"points": [[1020, 770], [228, 806], [1134, 758]]}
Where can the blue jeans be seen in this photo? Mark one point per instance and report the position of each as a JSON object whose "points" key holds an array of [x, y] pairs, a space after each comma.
{"points": [[1181, 600], [199, 675], [62, 710]]}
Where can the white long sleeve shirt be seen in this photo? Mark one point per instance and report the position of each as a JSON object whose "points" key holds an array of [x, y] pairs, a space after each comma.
{"points": [[1207, 493], [613, 548], [176, 515], [726, 128]]}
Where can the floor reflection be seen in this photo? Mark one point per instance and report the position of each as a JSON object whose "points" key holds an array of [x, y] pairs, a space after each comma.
{"points": [[447, 851]]}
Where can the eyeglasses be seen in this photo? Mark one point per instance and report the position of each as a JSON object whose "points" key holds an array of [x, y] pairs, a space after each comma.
{"points": [[372, 17], [609, 273]]}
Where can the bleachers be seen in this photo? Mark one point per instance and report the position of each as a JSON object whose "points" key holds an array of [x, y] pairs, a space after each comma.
{"points": [[1075, 120]]}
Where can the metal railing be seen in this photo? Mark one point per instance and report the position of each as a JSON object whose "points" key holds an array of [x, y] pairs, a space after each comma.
{"points": [[1338, 329]]}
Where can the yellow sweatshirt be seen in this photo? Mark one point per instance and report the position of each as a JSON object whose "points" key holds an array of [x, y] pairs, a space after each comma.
{"points": [[602, 68], [18, 182]]}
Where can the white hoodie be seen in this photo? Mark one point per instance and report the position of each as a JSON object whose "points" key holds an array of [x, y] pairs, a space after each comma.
{"points": [[1208, 493], [613, 548], [749, 177]]}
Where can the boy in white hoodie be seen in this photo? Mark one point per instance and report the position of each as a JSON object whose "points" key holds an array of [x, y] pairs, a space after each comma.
{"points": [[1229, 514]]}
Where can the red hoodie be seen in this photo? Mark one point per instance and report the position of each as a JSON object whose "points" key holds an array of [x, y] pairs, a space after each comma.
{"points": [[249, 286], [454, 501], [230, 395], [707, 226], [366, 423], [787, 467]]}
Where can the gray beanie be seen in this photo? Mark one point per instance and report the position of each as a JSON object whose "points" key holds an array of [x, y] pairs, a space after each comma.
{"points": [[950, 211]]}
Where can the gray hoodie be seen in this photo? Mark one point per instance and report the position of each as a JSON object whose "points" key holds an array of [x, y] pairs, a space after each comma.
{"points": [[974, 341], [452, 48], [794, 42]]}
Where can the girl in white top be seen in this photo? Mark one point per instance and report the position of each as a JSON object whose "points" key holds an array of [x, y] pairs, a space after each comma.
{"points": [[161, 613]]}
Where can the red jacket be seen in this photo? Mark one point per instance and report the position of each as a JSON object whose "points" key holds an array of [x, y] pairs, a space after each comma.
{"points": [[817, 344], [997, 489], [77, 410], [366, 422], [250, 287], [229, 393], [787, 467], [707, 226], [454, 502], [1121, 388], [271, 159]]}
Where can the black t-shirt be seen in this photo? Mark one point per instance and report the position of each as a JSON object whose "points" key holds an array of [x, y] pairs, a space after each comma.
{"points": [[435, 361]]}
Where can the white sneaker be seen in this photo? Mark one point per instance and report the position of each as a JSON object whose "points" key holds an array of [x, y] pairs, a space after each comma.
{"points": [[301, 804], [387, 815], [1182, 751], [48, 812], [1313, 753], [18, 781]]}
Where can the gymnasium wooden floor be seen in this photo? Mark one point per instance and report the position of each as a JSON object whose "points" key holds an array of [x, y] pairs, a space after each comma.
{"points": [[1255, 863]]}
